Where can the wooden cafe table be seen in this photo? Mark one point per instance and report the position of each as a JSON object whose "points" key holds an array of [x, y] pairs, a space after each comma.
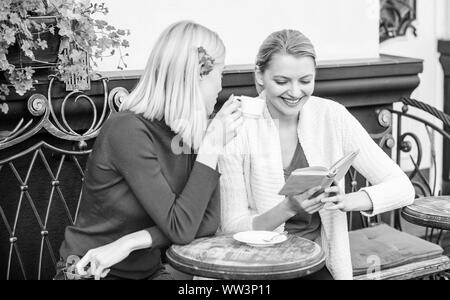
{"points": [[222, 257], [431, 212]]}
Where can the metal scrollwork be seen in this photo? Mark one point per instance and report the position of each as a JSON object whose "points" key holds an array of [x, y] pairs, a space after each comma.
{"points": [[388, 141], [407, 146], [407, 141], [51, 115], [385, 118], [116, 97], [37, 105], [64, 130], [385, 138]]}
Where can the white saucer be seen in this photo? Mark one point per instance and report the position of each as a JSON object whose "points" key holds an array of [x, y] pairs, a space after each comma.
{"points": [[260, 238]]}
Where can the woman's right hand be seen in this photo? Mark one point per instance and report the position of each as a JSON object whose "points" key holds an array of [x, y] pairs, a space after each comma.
{"points": [[226, 124], [310, 202], [99, 260]]}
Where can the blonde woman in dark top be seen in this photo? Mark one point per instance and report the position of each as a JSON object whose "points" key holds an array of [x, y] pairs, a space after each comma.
{"points": [[151, 179]]}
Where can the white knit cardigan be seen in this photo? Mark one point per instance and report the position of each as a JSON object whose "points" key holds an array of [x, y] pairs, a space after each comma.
{"points": [[252, 173]]}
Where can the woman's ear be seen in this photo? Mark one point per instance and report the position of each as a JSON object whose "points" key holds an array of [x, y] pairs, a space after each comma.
{"points": [[259, 76]]}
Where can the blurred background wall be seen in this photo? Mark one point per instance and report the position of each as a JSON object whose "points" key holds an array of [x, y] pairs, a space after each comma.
{"points": [[340, 29]]}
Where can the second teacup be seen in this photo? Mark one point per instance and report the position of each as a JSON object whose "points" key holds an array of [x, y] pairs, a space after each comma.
{"points": [[252, 107]]}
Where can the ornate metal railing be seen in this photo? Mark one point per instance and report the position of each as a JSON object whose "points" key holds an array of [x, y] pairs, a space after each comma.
{"points": [[42, 162], [385, 140], [404, 143]]}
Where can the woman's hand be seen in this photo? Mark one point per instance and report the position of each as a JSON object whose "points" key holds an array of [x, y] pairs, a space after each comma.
{"points": [[311, 200], [226, 124], [100, 259], [359, 201], [222, 129]]}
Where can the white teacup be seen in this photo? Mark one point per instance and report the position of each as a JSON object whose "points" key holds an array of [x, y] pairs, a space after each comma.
{"points": [[252, 107]]}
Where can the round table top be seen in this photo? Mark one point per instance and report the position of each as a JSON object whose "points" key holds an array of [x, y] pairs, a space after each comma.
{"points": [[222, 257], [430, 212]]}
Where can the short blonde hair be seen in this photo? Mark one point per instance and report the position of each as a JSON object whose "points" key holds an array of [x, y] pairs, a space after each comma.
{"points": [[169, 87]]}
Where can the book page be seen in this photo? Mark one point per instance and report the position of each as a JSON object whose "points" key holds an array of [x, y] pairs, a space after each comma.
{"points": [[311, 171], [342, 166]]}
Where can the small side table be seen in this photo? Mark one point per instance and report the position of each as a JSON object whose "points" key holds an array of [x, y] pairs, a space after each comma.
{"points": [[430, 212], [222, 257]]}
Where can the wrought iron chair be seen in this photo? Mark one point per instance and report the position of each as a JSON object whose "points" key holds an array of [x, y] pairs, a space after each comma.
{"points": [[42, 164], [388, 252], [431, 209]]}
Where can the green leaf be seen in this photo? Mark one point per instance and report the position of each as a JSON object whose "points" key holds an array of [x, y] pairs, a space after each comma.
{"points": [[14, 18], [3, 16], [101, 24], [26, 48], [9, 36], [75, 22], [42, 44], [4, 108]]}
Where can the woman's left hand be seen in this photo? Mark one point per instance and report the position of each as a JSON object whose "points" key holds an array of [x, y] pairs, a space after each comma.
{"points": [[336, 200], [359, 201], [102, 258]]}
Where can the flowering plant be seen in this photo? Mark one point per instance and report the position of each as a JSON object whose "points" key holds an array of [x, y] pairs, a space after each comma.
{"points": [[87, 39], [206, 61]]}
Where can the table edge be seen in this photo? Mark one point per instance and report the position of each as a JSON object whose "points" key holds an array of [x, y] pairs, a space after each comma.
{"points": [[426, 220], [248, 275]]}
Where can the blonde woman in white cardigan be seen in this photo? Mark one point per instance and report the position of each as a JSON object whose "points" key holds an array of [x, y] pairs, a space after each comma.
{"points": [[298, 130]]}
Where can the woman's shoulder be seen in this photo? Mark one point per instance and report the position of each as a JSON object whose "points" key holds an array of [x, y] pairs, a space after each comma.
{"points": [[127, 120], [128, 132], [122, 119], [323, 103], [326, 107], [127, 126]]}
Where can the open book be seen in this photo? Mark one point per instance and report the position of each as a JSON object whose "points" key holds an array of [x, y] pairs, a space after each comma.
{"points": [[304, 179]]}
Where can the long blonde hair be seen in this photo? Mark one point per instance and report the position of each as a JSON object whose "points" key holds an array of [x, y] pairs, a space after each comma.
{"points": [[169, 87]]}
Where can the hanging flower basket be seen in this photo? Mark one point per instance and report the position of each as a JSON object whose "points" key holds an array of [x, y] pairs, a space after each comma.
{"points": [[43, 58], [31, 36]]}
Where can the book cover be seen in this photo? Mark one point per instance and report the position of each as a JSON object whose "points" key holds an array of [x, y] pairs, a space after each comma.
{"points": [[304, 179]]}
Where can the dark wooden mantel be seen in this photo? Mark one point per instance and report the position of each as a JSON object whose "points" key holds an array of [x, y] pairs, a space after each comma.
{"points": [[354, 83]]}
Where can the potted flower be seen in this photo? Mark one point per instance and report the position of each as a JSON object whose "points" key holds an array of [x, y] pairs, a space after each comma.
{"points": [[33, 32]]}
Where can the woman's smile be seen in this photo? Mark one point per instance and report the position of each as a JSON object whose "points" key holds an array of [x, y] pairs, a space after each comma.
{"points": [[292, 102]]}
